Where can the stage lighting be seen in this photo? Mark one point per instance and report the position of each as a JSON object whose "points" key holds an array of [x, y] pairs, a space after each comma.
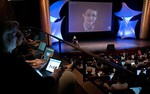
{"points": [[126, 25]]}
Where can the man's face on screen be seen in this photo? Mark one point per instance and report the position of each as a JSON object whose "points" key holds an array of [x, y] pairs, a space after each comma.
{"points": [[90, 16]]}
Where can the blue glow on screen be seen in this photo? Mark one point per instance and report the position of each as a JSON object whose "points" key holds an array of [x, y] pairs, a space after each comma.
{"points": [[126, 25]]}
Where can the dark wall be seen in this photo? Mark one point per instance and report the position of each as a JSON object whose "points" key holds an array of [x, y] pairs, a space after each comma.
{"points": [[6, 11], [27, 12]]}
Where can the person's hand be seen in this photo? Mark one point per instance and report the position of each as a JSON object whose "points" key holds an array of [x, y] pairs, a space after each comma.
{"points": [[36, 63], [57, 73], [32, 51], [30, 41], [33, 42], [106, 86]]}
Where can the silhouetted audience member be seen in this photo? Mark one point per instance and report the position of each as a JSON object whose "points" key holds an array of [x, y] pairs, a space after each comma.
{"points": [[19, 77], [120, 85], [23, 49], [146, 84]]}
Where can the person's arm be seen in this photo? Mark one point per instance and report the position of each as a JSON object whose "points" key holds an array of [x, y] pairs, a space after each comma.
{"points": [[107, 86], [57, 73], [36, 63], [123, 86]]}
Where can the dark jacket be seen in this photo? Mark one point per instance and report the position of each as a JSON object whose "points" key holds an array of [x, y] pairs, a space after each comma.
{"points": [[19, 77]]}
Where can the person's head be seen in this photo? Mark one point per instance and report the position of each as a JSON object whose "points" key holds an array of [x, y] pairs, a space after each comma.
{"points": [[19, 34], [90, 16], [20, 38], [8, 30], [121, 78]]}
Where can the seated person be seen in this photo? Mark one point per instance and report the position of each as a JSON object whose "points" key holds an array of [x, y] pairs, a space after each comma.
{"points": [[33, 43], [121, 84], [23, 49], [146, 83], [18, 76]]}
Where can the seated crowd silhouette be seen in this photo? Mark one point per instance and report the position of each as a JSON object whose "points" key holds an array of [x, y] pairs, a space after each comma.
{"points": [[108, 78]]}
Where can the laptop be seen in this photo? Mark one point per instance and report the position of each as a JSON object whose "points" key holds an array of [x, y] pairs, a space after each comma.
{"points": [[41, 47], [136, 89], [111, 75], [48, 69], [39, 51], [123, 63], [139, 71], [48, 52]]}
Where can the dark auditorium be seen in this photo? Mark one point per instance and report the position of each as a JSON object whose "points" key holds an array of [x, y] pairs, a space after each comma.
{"points": [[75, 46]]}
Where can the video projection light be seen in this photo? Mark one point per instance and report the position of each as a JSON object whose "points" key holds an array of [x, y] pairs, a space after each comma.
{"points": [[126, 25], [54, 15]]}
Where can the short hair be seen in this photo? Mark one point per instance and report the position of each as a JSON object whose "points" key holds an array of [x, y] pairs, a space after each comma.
{"points": [[6, 26], [91, 7], [19, 35]]}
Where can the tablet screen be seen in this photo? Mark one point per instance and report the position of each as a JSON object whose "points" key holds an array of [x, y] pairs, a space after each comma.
{"points": [[52, 64]]}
